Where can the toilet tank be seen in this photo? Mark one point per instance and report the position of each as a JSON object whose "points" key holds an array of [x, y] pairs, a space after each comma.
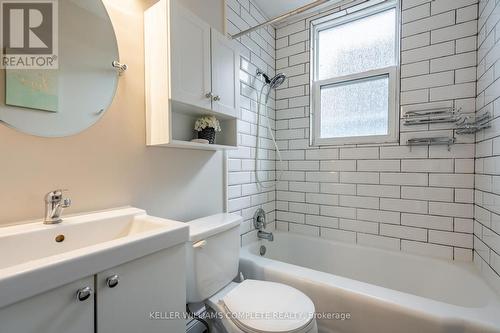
{"points": [[213, 253]]}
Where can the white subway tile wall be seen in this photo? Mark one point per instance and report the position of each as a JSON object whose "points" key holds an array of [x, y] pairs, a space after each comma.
{"points": [[417, 200], [257, 51], [487, 179]]}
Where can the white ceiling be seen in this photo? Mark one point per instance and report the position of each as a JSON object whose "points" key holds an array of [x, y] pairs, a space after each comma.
{"points": [[273, 8]]}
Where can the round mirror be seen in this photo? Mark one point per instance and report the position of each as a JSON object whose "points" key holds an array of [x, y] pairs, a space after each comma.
{"points": [[57, 77]]}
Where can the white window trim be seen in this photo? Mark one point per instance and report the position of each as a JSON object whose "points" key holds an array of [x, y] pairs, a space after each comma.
{"points": [[393, 114], [333, 20]]}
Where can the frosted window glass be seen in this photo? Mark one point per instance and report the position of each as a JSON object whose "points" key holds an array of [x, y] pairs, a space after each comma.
{"points": [[355, 108], [358, 46]]}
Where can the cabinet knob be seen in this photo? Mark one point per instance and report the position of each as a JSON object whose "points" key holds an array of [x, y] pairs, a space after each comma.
{"points": [[112, 281], [216, 98], [209, 95], [84, 294]]}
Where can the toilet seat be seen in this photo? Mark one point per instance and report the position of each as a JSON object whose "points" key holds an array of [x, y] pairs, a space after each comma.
{"points": [[268, 307]]}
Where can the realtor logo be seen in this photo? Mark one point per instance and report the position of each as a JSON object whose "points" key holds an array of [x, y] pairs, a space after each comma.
{"points": [[29, 34]]}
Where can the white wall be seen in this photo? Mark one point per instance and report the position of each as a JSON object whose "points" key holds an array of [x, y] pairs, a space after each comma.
{"points": [[487, 195], [109, 165], [416, 200], [257, 51], [212, 11]]}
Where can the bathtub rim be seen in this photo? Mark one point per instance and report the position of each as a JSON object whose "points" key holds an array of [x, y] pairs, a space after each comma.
{"points": [[486, 315]]}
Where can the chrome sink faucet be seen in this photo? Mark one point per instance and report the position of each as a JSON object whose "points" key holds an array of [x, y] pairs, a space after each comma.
{"points": [[259, 222], [54, 205]]}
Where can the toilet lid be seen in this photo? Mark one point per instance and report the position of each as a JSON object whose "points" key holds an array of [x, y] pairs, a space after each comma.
{"points": [[262, 306]]}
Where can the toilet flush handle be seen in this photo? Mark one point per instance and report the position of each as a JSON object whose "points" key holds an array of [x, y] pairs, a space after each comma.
{"points": [[200, 244]]}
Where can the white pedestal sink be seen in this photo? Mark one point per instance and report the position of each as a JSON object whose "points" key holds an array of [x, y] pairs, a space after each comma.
{"points": [[35, 257]]}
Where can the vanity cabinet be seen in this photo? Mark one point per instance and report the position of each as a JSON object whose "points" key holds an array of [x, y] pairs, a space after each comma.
{"points": [[55, 311], [191, 70], [138, 296], [134, 297]]}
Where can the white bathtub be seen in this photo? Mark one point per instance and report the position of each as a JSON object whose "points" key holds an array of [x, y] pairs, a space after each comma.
{"points": [[383, 291]]}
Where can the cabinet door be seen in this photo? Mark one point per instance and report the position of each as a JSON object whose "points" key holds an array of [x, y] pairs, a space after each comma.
{"points": [[148, 291], [225, 75], [55, 311], [190, 48]]}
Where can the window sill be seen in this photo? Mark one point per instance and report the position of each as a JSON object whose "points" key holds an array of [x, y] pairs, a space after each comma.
{"points": [[351, 142]]}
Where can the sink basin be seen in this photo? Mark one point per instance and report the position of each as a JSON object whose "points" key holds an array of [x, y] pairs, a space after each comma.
{"points": [[35, 257]]}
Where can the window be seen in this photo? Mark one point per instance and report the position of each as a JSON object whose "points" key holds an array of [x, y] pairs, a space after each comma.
{"points": [[354, 77]]}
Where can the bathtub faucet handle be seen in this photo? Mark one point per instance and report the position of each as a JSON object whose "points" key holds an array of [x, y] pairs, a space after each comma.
{"points": [[259, 222], [259, 219]]}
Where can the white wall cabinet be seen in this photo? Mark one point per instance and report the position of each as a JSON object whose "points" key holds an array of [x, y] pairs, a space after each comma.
{"points": [[155, 283], [225, 75], [191, 70]]}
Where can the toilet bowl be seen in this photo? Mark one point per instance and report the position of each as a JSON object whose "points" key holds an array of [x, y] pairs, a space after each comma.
{"points": [[250, 306], [261, 306]]}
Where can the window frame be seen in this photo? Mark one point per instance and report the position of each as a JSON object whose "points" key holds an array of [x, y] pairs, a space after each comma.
{"points": [[336, 19]]}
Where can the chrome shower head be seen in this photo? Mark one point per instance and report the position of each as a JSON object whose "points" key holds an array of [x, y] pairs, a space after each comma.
{"points": [[274, 82], [277, 81]]}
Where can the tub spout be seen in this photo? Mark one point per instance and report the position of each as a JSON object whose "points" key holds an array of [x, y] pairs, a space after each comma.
{"points": [[265, 235]]}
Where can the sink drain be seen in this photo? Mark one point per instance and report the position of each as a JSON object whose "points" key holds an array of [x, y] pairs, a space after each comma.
{"points": [[60, 238], [262, 250]]}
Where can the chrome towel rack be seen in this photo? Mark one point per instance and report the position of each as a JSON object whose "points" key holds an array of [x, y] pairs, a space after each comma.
{"points": [[432, 116], [434, 141], [474, 124], [464, 124]]}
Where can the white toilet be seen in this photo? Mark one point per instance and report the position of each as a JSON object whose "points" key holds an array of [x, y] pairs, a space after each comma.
{"points": [[250, 306]]}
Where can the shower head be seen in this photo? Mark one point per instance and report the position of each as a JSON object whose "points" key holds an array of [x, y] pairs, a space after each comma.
{"points": [[274, 82], [277, 81]]}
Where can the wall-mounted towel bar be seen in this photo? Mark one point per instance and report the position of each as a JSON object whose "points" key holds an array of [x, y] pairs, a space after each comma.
{"points": [[465, 123], [471, 125], [435, 141], [432, 116], [429, 112]]}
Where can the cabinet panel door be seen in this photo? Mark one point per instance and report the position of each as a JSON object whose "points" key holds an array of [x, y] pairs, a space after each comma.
{"points": [[148, 288], [55, 311], [225, 75], [190, 48]]}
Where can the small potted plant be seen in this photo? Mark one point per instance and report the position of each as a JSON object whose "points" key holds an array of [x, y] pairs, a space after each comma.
{"points": [[206, 127]]}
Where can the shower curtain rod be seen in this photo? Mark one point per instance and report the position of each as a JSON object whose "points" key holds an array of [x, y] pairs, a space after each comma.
{"points": [[282, 17]]}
